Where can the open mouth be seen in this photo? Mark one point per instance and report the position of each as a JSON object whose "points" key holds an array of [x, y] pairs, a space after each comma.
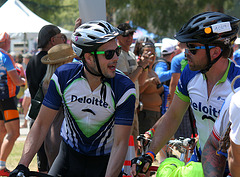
{"points": [[112, 67]]}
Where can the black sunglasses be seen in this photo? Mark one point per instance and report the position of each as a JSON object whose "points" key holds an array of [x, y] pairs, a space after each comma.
{"points": [[129, 34], [109, 53], [193, 49]]}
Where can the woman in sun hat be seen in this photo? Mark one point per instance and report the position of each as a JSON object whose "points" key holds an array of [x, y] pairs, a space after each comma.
{"points": [[57, 56]]}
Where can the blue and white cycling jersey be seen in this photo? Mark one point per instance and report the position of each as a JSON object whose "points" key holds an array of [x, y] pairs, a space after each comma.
{"points": [[7, 87], [89, 119], [192, 87]]}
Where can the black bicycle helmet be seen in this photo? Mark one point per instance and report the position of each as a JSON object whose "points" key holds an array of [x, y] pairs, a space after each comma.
{"points": [[91, 35], [209, 27]]}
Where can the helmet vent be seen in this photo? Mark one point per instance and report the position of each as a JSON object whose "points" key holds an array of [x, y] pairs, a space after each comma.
{"points": [[210, 23], [199, 20], [98, 30], [77, 34], [105, 29], [92, 37], [86, 27]]}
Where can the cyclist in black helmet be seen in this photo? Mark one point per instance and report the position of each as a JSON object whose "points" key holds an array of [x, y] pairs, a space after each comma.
{"points": [[98, 104], [204, 83]]}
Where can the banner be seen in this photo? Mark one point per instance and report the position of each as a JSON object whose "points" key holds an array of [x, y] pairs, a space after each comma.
{"points": [[92, 10]]}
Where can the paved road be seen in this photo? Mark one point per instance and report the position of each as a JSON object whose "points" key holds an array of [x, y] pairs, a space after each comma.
{"points": [[23, 131]]}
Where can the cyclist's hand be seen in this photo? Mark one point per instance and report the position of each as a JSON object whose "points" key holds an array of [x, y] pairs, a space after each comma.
{"points": [[20, 169], [140, 165]]}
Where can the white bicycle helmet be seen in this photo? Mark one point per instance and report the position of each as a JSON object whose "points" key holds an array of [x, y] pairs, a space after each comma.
{"points": [[91, 35]]}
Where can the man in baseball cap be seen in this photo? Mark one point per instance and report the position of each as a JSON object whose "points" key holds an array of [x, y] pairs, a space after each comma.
{"points": [[48, 36], [126, 28]]}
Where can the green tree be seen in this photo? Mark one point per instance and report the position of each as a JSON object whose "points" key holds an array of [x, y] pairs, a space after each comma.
{"points": [[62, 13], [162, 17]]}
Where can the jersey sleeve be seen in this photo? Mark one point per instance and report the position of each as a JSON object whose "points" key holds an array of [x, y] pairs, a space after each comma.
{"points": [[182, 87], [220, 126], [53, 97], [126, 102], [234, 118], [181, 90], [9, 63]]}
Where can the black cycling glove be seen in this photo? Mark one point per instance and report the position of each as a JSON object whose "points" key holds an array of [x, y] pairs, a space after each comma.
{"points": [[141, 161], [20, 171]]}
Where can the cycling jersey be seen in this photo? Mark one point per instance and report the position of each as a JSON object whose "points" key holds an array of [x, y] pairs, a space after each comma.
{"points": [[234, 118], [221, 124], [192, 87], [7, 87], [89, 119]]}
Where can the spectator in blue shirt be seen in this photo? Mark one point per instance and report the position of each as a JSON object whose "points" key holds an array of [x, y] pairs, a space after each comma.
{"points": [[163, 65]]}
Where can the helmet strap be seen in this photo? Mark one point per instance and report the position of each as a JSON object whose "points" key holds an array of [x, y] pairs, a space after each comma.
{"points": [[85, 65], [103, 91], [210, 63]]}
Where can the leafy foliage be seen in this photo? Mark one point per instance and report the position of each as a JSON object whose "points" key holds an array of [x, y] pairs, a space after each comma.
{"points": [[162, 17]]}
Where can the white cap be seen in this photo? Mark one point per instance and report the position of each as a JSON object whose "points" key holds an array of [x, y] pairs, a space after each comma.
{"points": [[167, 48]]}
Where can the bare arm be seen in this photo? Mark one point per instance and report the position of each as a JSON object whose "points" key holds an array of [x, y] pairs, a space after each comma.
{"points": [[78, 22], [165, 127], [234, 158], [140, 73], [37, 134], [17, 80], [168, 124], [119, 150], [213, 165], [173, 83], [135, 74]]}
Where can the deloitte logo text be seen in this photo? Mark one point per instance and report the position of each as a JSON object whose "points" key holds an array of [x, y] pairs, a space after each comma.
{"points": [[93, 100], [211, 111]]}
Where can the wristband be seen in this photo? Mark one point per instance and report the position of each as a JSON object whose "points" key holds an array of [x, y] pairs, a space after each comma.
{"points": [[150, 132], [153, 130], [141, 67], [151, 154]]}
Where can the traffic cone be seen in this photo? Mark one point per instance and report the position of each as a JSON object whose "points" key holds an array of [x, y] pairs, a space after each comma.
{"points": [[130, 155]]}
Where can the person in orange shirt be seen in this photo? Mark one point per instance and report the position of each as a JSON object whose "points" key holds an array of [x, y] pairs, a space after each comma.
{"points": [[9, 117]]}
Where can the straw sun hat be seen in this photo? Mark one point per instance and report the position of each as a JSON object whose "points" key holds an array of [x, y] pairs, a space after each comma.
{"points": [[58, 54]]}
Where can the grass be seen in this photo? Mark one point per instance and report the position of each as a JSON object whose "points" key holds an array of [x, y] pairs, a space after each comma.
{"points": [[15, 156]]}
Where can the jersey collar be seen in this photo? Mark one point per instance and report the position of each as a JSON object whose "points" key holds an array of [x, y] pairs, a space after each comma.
{"points": [[224, 78]]}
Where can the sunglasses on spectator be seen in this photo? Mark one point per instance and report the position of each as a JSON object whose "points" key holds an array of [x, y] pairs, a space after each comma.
{"points": [[129, 34], [109, 53], [193, 49], [61, 37]]}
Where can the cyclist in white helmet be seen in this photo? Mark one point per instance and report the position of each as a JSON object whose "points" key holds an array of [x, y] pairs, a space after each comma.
{"points": [[98, 104], [204, 83]]}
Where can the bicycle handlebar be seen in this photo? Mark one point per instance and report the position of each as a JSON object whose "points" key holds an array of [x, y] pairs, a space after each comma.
{"points": [[181, 142], [34, 173]]}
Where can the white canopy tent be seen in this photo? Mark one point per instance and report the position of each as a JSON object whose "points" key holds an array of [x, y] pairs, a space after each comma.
{"points": [[22, 23]]}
